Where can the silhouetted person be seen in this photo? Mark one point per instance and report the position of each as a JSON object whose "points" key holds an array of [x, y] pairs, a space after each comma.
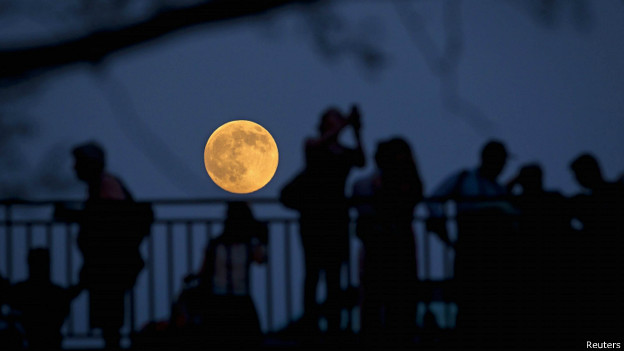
{"points": [[324, 220], [544, 216], [540, 258], [600, 269], [112, 226], [222, 298], [390, 276], [43, 305], [483, 233], [599, 208]]}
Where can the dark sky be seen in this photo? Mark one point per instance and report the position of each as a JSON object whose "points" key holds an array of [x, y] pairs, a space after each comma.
{"points": [[550, 92]]}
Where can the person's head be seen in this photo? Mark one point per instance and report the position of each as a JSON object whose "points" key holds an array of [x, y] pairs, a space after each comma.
{"points": [[89, 161], [530, 178], [397, 165], [331, 119], [239, 219], [587, 171], [39, 264], [493, 159], [393, 153]]}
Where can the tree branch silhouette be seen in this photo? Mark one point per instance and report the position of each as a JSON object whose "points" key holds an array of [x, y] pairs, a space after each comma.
{"points": [[443, 60], [94, 47]]}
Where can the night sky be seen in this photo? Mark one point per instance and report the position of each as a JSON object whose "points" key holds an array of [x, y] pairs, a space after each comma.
{"points": [[548, 90]]}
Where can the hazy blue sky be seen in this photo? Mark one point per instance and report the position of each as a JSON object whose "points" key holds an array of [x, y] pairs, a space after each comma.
{"points": [[550, 93]]}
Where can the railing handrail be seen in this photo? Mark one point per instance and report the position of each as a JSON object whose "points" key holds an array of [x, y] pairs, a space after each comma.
{"points": [[267, 200]]}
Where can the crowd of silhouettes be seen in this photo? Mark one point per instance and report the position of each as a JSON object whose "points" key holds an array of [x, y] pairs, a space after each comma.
{"points": [[530, 265]]}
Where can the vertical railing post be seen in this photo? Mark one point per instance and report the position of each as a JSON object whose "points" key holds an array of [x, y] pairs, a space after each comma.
{"points": [[426, 255], [269, 288], [9, 241], [170, 263], [445, 278], [189, 247], [151, 279], [287, 272], [348, 278], [29, 237], [48, 236], [69, 271]]}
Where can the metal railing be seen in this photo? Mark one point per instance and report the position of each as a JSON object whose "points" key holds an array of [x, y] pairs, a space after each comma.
{"points": [[180, 232]]}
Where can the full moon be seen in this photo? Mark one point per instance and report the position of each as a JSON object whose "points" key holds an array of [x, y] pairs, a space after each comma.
{"points": [[241, 156]]}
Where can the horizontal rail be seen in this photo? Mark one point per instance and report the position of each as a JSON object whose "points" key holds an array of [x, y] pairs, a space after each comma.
{"points": [[254, 200]]}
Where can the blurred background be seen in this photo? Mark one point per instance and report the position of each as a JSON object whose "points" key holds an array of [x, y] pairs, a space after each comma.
{"points": [[540, 75], [151, 80]]}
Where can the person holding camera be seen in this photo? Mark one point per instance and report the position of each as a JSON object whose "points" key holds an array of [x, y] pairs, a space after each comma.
{"points": [[324, 220]]}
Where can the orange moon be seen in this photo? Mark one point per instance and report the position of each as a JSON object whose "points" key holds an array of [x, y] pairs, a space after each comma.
{"points": [[241, 157]]}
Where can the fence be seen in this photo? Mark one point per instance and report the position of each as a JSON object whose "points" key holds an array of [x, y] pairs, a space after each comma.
{"points": [[175, 248]]}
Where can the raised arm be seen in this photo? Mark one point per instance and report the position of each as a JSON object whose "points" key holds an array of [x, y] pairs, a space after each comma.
{"points": [[359, 159]]}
